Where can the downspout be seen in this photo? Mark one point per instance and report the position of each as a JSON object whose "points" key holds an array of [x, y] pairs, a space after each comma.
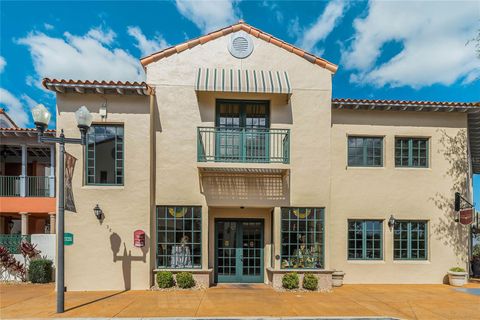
{"points": [[153, 165]]}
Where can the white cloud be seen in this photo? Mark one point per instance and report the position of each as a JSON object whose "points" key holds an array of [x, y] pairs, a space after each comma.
{"points": [[3, 63], [48, 26], [433, 36], [326, 22], [14, 107], [145, 45], [90, 56], [209, 15]]}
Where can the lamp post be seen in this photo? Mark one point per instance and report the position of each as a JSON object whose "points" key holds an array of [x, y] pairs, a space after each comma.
{"points": [[41, 117]]}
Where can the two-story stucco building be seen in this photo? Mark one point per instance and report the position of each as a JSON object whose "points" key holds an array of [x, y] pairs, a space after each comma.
{"points": [[238, 165]]}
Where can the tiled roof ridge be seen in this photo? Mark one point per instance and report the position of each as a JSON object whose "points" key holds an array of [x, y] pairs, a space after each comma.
{"points": [[25, 129], [93, 82], [241, 25], [406, 102]]}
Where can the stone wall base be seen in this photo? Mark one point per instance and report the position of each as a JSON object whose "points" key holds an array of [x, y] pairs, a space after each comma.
{"points": [[324, 277]]}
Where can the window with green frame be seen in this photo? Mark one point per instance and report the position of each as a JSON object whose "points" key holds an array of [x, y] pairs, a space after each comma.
{"points": [[302, 238], [179, 237], [411, 152], [410, 240], [365, 151], [104, 155], [365, 239]]}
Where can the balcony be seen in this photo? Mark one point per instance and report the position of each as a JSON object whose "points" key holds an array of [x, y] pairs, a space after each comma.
{"points": [[243, 145], [29, 186]]}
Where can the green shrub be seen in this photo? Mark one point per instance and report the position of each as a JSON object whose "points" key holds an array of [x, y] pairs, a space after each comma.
{"points": [[165, 279], [457, 269], [40, 271], [185, 280], [290, 281], [310, 282]]}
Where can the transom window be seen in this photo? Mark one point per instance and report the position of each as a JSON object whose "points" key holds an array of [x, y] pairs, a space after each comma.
{"points": [[365, 151], [179, 237], [411, 152], [365, 239], [302, 238], [410, 240], [104, 155]]}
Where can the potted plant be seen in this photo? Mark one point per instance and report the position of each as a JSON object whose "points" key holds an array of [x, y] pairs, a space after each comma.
{"points": [[476, 261], [457, 276], [337, 278]]}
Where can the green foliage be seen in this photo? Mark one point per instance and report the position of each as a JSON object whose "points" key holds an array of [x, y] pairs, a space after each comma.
{"points": [[40, 271], [310, 282], [290, 281], [185, 280], [457, 269], [476, 250], [165, 279]]}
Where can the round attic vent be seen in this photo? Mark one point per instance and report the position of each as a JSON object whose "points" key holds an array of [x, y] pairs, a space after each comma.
{"points": [[241, 45]]}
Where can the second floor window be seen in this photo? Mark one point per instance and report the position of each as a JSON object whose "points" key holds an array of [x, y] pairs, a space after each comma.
{"points": [[365, 151], [104, 155], [365, 239], [411, 152], [410, 240]]}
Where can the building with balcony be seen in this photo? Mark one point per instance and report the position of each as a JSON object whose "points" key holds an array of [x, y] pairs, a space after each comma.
{"points": [[237, 165], [27, 184]]}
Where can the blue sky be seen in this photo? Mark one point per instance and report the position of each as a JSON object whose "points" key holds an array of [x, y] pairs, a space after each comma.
{"points": [[385, 50]]}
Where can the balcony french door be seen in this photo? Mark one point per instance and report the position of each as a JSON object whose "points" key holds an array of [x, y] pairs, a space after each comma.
{"points": [[243, 131]]}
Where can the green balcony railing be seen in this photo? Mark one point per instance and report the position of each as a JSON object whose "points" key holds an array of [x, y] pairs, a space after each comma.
{"points": [[9, 186], [35, 186], [243, 145], [12, 242]]}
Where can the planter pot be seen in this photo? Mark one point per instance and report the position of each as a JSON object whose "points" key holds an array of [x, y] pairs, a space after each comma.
{"points": [[337, 278], [476, 267], [457, 279]]}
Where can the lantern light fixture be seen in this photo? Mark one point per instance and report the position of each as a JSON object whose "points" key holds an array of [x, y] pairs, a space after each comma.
{"points": [[10, 224], [41, 117], [98, 212], [391, 222]]}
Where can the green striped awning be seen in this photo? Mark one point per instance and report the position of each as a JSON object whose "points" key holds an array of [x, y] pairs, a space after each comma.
{"points": [[236, 80]]}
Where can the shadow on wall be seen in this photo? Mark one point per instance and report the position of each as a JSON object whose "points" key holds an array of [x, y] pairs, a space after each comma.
{"points": [[126, 257], [453, 234], [243, 189]]}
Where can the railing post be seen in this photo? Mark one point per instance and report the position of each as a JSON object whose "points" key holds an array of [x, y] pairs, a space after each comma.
{"points": [[23, 177], [51, 183]]}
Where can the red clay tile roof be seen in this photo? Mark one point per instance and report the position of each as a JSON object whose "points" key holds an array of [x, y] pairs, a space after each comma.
{"points": [[405, 102], [24, 130], [241, 25], [78, 85]]}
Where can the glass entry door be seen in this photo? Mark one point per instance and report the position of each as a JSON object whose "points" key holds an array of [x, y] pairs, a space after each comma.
{"points": [[239, 250]]}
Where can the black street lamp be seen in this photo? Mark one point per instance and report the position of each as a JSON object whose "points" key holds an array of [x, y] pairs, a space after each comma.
{"points": [[41, 117]]}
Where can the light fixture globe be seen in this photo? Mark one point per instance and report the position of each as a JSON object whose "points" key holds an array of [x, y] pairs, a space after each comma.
{"points": [[84, 118], [41, 117]]}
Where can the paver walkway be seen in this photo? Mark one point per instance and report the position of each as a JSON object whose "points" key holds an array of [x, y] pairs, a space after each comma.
{"points": [[398, 301]]}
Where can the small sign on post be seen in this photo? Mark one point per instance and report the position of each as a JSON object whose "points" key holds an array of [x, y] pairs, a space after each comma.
{"points": [[68, 239]]}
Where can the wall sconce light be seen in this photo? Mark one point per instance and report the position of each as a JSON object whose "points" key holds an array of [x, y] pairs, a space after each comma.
{"points": [[391, 222], [98, 212], [103, 110], [10, 224]]}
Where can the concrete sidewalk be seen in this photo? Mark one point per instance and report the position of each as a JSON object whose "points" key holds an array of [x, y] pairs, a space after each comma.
{"points": [[395, 301]]}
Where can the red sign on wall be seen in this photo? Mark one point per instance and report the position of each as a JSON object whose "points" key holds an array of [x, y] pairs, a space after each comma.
{"points": [[466, 216], [139, 238]]}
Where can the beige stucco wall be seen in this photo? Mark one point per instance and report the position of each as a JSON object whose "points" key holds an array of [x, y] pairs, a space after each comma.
{"points": [[405, 193], [103, 256], [181, 110]]}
